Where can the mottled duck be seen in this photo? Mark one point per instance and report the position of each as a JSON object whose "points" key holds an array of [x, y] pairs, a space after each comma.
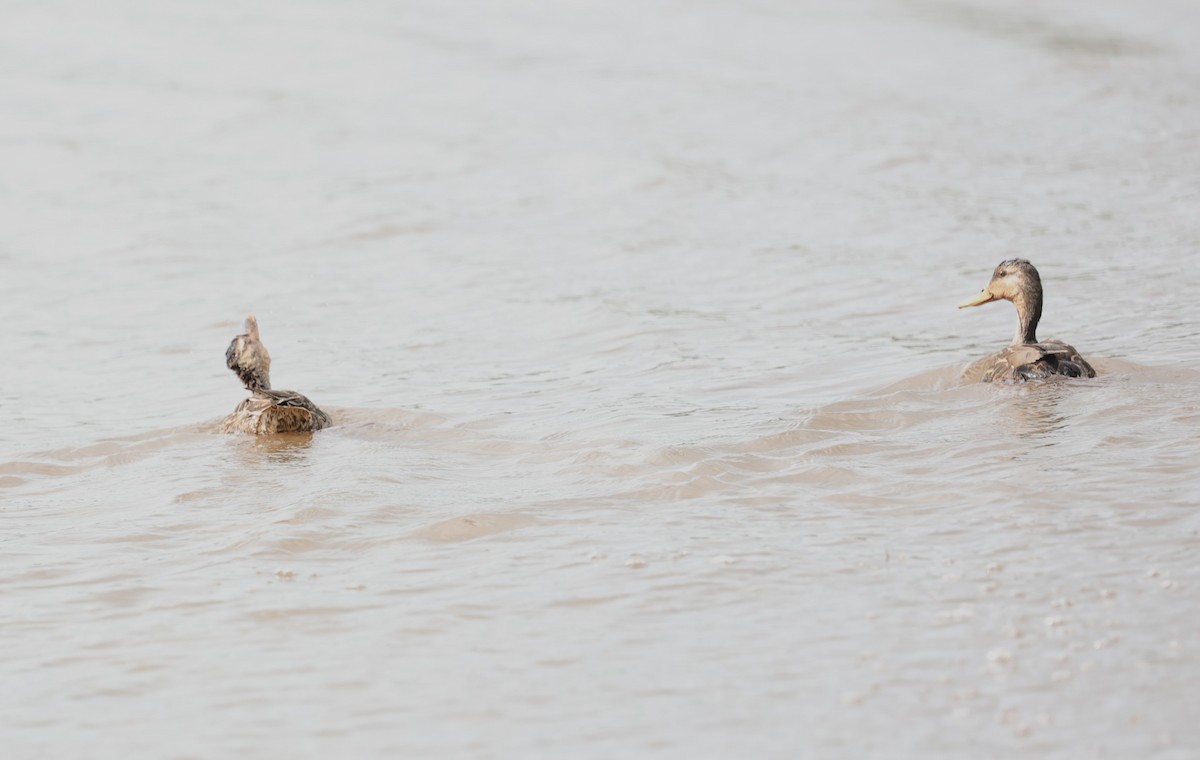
{"points": [[1026, 358], [267, 411]]}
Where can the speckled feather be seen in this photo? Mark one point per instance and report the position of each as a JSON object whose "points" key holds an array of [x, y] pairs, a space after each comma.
{"points": [[1032, 361], [267, 411], [1026, 358]]}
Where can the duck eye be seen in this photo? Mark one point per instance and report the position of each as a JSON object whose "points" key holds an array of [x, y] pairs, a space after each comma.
{"points": [[1001, 273]]}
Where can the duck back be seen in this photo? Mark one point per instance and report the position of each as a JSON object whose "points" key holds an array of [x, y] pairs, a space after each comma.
{"points": [[1033, 361]]}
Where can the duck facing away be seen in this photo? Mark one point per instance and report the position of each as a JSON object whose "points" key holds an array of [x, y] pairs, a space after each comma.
{"points": [[1026, 358], [267, 411]]}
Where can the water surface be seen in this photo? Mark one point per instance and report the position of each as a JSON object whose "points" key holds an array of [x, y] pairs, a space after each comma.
{"points": [[638, 326]]}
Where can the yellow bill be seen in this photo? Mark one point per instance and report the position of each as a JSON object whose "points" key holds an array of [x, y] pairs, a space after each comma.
{"points": [[984, 296]]}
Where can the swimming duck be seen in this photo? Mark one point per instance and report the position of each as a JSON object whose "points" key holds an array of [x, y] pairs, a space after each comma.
{"points": [[1026, 358], [267, 411]]}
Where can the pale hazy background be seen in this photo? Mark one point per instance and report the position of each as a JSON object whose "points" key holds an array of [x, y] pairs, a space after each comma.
{"points": [[638, 321]]}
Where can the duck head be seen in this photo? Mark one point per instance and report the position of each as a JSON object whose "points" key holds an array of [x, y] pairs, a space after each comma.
{"points": [[1018, 281], [248, 357]]}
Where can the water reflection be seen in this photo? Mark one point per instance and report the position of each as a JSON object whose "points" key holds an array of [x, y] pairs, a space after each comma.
{"points": [[286, 448], [1033, 410]]}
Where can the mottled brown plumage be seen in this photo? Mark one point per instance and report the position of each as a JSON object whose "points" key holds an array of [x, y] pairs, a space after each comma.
{"points": [[267, 411], [1026, 358]]}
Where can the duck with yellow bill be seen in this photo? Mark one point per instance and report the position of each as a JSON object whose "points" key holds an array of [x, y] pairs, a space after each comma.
{"points": [[1026, 358]]}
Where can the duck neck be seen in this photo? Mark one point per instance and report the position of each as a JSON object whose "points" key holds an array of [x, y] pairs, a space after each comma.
{"points": [[1029, 313], [254, 379]]}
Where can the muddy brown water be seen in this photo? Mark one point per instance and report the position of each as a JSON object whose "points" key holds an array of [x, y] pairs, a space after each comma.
{"points": [[638, 327]]}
